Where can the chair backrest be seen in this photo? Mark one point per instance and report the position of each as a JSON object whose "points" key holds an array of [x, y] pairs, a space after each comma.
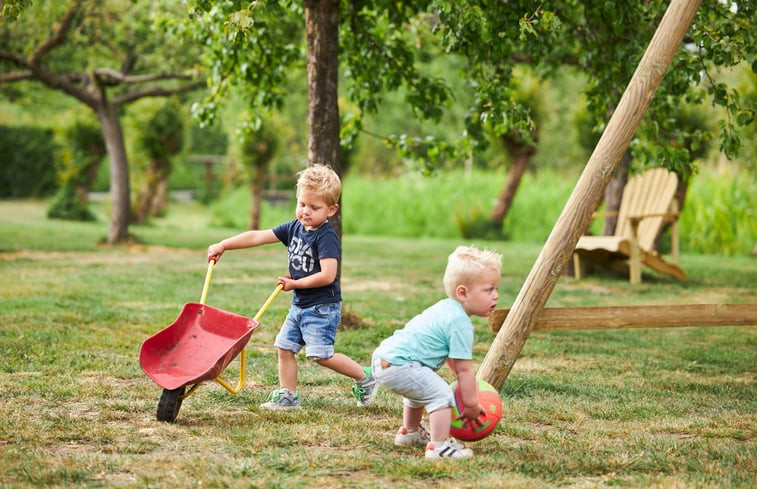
{"points": [[650, 192]]}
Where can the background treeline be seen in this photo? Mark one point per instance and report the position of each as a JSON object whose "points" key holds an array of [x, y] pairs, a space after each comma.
{"points": [[719, 217], [52, 150], [384, 195]]}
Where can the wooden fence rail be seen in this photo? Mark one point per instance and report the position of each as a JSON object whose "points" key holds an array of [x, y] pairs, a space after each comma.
{"points": [[620, 317]]}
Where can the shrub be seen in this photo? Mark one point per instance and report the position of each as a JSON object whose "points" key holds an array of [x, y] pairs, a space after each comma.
{"points": [[719, 214], [67, 205], [27, 164], [80, 161]]}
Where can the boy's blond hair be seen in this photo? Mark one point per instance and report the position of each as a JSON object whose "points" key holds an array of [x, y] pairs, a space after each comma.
{"points": [[466, 263], [322, 181]]}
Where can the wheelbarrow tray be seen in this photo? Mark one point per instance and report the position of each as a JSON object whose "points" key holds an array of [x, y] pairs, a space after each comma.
{"points": [[196, 347]]}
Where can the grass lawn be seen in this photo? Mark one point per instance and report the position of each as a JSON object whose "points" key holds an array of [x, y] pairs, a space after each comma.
{"points": [[667, 408]]}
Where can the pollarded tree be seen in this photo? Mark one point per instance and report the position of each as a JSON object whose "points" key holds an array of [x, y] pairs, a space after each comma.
{"points": [[84, 151], [105, 54], [258, 147], [161, 139]]}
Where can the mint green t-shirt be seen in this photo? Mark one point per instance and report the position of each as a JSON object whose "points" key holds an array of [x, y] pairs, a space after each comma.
{"points": [[442, 331]]}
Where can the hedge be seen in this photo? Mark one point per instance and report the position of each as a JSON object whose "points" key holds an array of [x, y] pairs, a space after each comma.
{"points": [[27, 162]]}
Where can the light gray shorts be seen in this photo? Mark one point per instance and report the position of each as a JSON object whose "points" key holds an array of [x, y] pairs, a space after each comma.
{"points": [[419, 386]]}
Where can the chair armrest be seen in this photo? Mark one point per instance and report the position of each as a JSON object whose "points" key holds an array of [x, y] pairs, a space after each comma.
{"points": [[667, 216]]}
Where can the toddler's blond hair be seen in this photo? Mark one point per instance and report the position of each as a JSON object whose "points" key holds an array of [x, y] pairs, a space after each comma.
{"points": [[466, 263], [322, 181]]}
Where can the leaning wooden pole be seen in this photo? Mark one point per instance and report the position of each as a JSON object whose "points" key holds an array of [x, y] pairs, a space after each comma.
{"points": [[576, 215]]}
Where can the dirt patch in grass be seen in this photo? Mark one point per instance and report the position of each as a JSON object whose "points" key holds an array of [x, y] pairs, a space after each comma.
{"points": [[126, 255]]}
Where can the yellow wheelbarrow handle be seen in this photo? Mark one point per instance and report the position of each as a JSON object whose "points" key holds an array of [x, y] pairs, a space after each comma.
{"points": [[208, 274]]}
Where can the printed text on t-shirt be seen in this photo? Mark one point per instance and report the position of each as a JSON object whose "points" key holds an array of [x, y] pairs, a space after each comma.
{"points": [[301, 255]]}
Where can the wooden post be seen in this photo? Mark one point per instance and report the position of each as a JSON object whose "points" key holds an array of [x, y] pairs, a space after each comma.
{"points": [[576, 215]]}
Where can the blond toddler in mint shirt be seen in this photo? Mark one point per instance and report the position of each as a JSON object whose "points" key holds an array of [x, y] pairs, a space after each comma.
{"points": [[407, 362]]}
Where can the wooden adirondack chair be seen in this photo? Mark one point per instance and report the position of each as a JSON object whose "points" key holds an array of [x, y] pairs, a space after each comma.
{"points": [[648, 202]]}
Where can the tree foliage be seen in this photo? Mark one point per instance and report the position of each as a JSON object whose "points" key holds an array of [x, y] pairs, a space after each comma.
{"points": [[161, 139], [105, 55], [385, 45]]}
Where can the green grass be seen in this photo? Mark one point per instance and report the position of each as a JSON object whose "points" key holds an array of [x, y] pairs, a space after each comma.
{"points": [[665, 408]]}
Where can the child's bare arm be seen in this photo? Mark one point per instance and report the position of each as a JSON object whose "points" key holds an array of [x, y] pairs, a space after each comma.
{"points": [[466, 379], [247, 239], [451, 365], [326, 276]]}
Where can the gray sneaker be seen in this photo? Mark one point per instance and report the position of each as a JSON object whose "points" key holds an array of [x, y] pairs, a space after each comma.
{"points": [[365, 390], [282, 399]]}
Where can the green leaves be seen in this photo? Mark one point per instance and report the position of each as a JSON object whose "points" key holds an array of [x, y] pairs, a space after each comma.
{"points": [[386, 46], [249, 47]]}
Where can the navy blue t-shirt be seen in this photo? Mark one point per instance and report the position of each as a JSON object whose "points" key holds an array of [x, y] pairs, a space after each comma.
{"points": [[306, 249]]}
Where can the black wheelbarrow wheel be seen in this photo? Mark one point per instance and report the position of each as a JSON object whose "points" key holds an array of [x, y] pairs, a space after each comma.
{"points": [[170, 403]]}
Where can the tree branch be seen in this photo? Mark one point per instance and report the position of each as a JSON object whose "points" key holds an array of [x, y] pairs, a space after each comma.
{"points": [[103, 73], [35, 72], [16, 76], [60, 35], [6, 56], [66, 83], [155, 92]]}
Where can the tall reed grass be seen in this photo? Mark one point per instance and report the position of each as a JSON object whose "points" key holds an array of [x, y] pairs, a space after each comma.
{"points": [[720, 213], [718, 216]]}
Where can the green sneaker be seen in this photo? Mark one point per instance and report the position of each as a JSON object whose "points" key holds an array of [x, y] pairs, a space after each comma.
{"points": [[365, 390], [282, 399]]}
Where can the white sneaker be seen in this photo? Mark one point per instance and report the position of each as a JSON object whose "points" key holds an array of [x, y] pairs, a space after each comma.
{"points": [[449, 448], [405, 438]]}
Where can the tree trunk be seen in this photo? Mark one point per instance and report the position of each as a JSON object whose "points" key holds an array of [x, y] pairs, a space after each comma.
{"points": [[256, 190], [153, 196], [143, 204], [614, 193], [118, 231], [322, 30], [680, 197], [160, 200], [522, 154], [90, 174]]}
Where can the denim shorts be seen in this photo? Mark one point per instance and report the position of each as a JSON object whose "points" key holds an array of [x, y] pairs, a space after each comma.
{"points": [[419, 385], [313, 327]]}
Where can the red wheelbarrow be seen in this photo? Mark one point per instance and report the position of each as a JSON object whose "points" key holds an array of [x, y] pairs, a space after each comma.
{"points": [[196, 347]]}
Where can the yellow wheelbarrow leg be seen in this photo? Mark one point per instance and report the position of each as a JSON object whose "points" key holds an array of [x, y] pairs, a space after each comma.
{"points": [[242, 362]]}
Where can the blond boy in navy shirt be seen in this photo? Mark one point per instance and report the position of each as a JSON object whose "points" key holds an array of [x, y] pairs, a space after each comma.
{"points": [[315, 312]]}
